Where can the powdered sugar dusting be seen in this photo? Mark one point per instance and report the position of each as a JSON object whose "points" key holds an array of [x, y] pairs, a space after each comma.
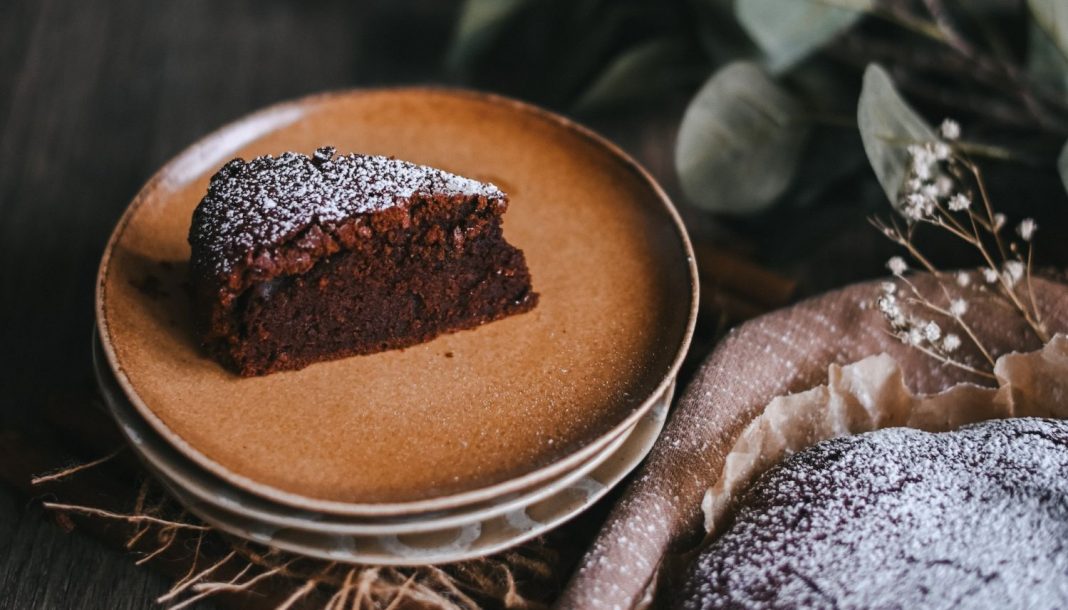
{"points": [[268, 200], [901, 518]]}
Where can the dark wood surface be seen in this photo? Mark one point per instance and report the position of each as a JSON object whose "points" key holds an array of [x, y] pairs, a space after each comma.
{"points": [[94, 96]]}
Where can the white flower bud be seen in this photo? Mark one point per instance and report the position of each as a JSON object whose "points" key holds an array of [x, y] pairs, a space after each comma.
{"points": [[949, 129], [897, 265], [1027, 228], [951, 343]]}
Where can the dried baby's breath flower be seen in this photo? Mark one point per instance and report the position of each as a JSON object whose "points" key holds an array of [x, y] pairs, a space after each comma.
{"points": [[923, 161], [932, 331], [890, 309], [949, 129], [1027, 228], [1014, 271], [931, 197], [897, 265], [958, 307], [918, 206], [940, 150], [914, 336], [951, 343], [959, 202]]}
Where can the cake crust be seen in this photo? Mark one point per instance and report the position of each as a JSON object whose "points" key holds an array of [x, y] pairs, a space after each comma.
{"points": [[297, 259]]}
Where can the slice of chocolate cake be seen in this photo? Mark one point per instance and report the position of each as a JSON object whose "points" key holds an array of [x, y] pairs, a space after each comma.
{"points": [[298, 259]]}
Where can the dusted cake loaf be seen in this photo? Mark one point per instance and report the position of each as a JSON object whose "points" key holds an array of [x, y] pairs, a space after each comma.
{"points": [[900, 518]]}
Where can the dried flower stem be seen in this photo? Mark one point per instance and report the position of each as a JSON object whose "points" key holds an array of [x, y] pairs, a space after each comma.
{"points": [[188, 582], [298, 594], [193, 564], [956, 363], [895, 234], [97, 512], [908, 21], [337, 601], [401, 593], [919, 299], [444, 580], [949, 32], [167, 536], [207, 593], [139, 508], [928, 197], [350, 587], [1031, 289], [66, 472], [1010, 293], [233, 585]]}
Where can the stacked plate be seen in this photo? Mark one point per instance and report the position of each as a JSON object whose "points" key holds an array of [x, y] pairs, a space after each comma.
{"points": [[452, 449], [451, 529]]}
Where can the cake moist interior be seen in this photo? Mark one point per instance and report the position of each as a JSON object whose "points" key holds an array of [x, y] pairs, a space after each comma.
{"points": [[413, 272]]}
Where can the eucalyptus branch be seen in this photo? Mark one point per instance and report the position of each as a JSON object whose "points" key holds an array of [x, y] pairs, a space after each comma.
{"points": [[950, 34], [910, 22], [956, 58]]}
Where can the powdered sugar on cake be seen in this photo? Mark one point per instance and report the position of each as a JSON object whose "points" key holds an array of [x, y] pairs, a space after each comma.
{"points": [[902, 518], [268, 200]]}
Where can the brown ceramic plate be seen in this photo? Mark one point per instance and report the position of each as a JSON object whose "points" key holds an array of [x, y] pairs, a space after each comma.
{"points": [[458, 419]]}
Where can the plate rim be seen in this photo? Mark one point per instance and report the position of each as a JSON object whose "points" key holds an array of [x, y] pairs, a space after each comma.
{"points": [[248, 123], [621, 472], [434, 521]]}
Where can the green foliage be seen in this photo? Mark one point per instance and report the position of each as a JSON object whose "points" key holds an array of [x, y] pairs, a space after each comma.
{"points": [[775, 121], [1045, 62], [1062, 165], [887, 125], [638, 73], [1052, 17], [479, 25], [579, 55], [739, 141], [788, 31]]}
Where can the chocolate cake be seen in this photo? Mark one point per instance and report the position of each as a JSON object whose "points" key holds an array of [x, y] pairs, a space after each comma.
{"points": [[899, 518], [299, 259]]}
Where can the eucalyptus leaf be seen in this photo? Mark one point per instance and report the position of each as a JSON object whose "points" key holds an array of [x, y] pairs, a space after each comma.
{"points": [[887, 125], [478, 26], [739, 141], [1052, 16], [1062, 165], [789, 30], [1045, 62], [640, 72]]}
